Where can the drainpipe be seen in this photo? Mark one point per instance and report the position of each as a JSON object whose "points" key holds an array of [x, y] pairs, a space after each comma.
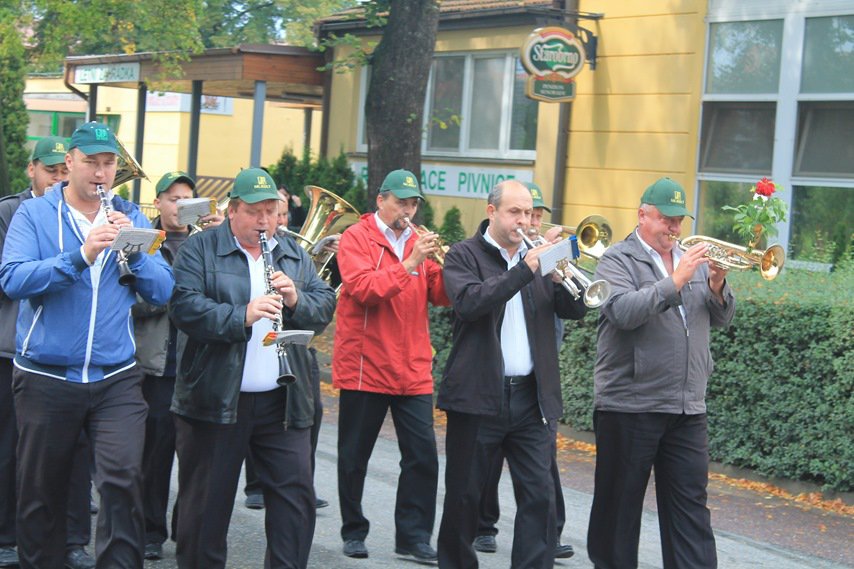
{"points": [[564, 120]]}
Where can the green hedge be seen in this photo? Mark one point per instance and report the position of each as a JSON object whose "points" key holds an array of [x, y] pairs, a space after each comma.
{"points": [[780, 400]]}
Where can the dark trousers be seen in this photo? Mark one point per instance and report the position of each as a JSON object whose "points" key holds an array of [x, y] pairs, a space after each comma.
{"points": [[360, 417], [490, 510], [628, 446], [253, 485], [158, 455], [209, 459], [528, 445], [51, 415]]}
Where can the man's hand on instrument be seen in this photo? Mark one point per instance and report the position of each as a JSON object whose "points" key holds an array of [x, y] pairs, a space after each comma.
{"points": [[532, 257], [99, 238], [119, 219], [690, 261], [553, 233], [286, 288], [426, 245], [717, 277], [211, 221], [332, 244], [267, 306]]}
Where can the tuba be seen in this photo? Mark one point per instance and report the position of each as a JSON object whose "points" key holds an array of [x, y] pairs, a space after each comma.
{"points": [[329, 214], [128, 168], [737, 258]]}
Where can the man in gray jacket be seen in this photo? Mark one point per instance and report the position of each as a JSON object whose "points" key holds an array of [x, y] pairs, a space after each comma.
{"points": [[652, 366]]}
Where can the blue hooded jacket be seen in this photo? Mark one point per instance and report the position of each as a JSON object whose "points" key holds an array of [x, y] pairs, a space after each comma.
{"points": [[66, 328]]}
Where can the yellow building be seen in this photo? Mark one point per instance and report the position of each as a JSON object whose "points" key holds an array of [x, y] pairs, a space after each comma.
{"points": [[715, 94], [225, 129]]}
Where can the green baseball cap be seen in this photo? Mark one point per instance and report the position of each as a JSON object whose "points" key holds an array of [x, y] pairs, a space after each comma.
{"points": [[254, 185], [668, 196], [50, 150], [170, 178], [537, 195], [94, 138], [402, 183]]}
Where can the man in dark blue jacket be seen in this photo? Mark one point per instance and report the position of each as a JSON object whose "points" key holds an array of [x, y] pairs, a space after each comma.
{"points": [[74, 366], [227, 400]]}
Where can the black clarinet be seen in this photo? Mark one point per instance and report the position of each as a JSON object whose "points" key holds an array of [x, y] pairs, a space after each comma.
{"points": [[126, 276], [286, 376]]}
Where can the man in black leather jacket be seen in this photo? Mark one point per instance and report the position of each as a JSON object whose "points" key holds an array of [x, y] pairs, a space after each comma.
{"points": [[226, 399]]}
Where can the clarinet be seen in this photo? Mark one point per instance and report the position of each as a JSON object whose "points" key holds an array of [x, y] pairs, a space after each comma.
{"points": [[286, 376], [126, 276]]}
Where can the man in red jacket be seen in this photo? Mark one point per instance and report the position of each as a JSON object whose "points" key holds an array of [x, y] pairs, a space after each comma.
{"points": [[383, 359]]}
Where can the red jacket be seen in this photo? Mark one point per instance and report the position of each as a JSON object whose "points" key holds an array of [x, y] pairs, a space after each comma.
{"points": [[382, 336]]}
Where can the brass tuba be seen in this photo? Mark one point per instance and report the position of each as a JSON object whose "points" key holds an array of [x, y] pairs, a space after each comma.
{"points": [[735, 257], [128, 168], [328, 214]]}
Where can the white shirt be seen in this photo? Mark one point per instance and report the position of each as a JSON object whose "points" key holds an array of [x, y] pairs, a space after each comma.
{"points": [[398, 244], [261, 365], [515, 349], [85, 226], [659, 262]]}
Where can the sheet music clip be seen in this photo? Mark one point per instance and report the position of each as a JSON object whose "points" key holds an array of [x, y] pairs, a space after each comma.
{"points": [[298, 337], [555, 257]]}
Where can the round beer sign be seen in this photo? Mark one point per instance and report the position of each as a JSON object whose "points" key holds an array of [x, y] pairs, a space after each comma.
{"points": [[552, 56]]}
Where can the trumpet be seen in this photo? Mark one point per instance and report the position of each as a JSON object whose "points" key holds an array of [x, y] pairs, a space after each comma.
{"points": [[126, 276], [735, 257], [286, 375], [439, 255], [595, 293], [593, 235]]}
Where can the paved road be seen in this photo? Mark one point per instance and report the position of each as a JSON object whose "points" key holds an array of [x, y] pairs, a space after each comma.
{"points": [[753, 530]]}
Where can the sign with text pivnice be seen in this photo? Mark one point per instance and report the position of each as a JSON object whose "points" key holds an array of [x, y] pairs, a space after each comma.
{"points": [[552, 57]]}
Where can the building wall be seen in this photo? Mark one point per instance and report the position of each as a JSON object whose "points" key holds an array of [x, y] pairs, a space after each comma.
{"points": [[225, 140]]}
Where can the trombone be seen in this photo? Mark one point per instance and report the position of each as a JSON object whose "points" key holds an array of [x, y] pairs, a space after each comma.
{"points": [[735, 257]]}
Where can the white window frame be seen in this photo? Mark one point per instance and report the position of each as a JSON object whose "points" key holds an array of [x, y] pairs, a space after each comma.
{"points": [[794, 14], [504, 152]]}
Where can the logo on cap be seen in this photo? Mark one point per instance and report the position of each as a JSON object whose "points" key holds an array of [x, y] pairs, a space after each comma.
{"points": [[410, 182], [262, 182], [535, 194], [59, 147], [678, 198], [101, 134]]}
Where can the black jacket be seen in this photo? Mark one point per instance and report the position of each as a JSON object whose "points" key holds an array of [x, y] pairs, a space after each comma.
{"points": [[8, 307], [479, 285], [208, 307]]}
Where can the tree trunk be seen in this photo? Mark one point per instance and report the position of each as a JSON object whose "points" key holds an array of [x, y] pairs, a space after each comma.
{"points": [[394, 107], [5, 187]]}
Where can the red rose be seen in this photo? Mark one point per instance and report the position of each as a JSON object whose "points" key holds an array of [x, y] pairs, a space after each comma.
{"points": [[765, 187]]}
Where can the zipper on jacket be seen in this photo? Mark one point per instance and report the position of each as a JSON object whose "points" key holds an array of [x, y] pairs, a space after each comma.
{"points": [[26, 342]]}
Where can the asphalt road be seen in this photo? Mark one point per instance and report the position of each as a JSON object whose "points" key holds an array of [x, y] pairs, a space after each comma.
{"points": [[753, 530]]}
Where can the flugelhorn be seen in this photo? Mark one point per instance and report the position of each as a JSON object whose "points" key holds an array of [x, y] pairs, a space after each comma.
{"points": [[439, 255], [735, 257], [595, 293]]}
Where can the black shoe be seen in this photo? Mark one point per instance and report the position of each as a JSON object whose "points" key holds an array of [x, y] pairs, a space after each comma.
{"points": [[485, 544], [77, 558], [254, 501], [153, 551], [8, 556], [564, 551], [421, 552], [355, 548], [320, 503]]}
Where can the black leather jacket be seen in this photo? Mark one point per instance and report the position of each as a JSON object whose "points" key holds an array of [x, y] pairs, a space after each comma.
{"points": [[208, 307]]}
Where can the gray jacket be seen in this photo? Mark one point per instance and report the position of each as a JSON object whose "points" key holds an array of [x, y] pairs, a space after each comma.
{"points": [[648, 360], [8, 307]]}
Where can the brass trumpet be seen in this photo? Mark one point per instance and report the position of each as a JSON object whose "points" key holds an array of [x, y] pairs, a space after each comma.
{"points": [[735, 257], [595, 293], [593, 235], [439, 255]]}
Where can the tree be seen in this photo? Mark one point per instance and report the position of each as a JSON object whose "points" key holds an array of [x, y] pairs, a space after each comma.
{"points": [[13, 113], [394, 108]]}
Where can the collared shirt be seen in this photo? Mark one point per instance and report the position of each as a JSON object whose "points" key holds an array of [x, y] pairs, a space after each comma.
{"points": [[515, 349], [398, 244], [261, 365], [659, 262]]}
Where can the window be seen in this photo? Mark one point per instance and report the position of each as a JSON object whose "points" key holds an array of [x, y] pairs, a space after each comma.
{"points": [[475, 107], [52, 123], [786, 117]]}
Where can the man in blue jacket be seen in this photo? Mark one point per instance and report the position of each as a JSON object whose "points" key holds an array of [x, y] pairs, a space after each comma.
{"points": [[74, 362]]}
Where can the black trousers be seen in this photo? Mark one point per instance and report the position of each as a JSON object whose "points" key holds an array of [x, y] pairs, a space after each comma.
{"points": [[209, 459], [628, 446], [360, 417], [51, 415], [489, 510], [528, 445], [158, 455]]}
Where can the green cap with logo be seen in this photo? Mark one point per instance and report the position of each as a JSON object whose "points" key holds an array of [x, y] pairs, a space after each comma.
{"points": [[537, 195], [170, 178], [668, 196], [50, 150], [254, 185], [94, 138], [402, 183]]}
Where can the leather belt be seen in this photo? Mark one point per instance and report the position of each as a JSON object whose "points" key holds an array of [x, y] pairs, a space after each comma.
{"points": [[518, 379]]}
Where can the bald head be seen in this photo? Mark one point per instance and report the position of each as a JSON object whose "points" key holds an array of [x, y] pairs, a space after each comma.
{"points": [[498, 190]]}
